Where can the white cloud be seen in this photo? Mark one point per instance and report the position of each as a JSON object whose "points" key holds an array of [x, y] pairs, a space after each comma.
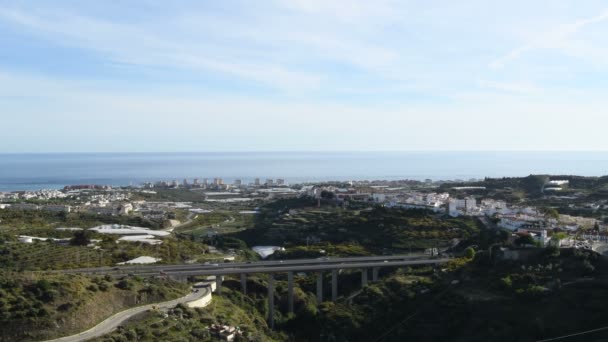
{"points": [[518, 88], [362, 75], [151, 47], [553, 38], [80, 117]]}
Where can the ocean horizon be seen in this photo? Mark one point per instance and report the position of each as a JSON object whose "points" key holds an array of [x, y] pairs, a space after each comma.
{"points": [[32, 171]]}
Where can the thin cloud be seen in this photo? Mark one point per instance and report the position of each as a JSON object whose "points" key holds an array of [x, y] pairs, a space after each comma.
{"points": [[132, 45], [554, 38]]}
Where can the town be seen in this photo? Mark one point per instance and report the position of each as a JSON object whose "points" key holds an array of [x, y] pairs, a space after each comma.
{"points": [[195, 241], [544, 224]]}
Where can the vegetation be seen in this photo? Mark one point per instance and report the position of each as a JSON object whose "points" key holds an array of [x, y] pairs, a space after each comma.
{"points": [[186, 324], [526, 298], [377, 230], [45, 219], [38, 306], [42, 255], [170, 195]]}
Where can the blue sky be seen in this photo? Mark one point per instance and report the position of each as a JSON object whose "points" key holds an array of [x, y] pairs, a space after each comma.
{"points": [[84, 76]]}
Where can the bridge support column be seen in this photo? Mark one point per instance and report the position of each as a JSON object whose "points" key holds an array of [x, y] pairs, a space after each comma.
{"points": [[244, 283], [364, 277], [334, 285], [218, 284], [290, 291], [319, 288], [271, 300], [375, 274]]}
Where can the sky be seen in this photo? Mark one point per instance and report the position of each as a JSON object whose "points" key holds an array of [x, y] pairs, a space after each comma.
{"points": [[313, 75]]}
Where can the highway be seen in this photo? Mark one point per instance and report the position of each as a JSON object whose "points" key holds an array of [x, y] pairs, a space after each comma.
{"points": [[116, 320], [122, 270], [269, 267], [227, 270]]}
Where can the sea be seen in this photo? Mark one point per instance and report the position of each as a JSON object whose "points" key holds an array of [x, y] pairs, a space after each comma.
{"points": [[55, 170]]}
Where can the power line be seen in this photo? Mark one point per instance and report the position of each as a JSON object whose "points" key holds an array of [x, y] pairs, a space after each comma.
{"points": [[575, 334]]}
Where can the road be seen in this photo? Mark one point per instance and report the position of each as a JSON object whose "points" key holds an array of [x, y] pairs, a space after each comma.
{"points": [[297, 268], [304, 265], [246, 265], [116, 320], [189, 219]]}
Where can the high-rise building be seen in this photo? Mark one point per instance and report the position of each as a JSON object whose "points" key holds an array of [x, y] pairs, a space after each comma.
{"points": [[280, 181], [237, 182], [195, 181], [256, 182], [185, 183], [205, 181], [269, 181], [470, 203]]}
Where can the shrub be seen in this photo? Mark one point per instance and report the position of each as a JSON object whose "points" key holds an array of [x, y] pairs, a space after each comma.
{"points": [[124, 285], [469, 253], [103, 287]]}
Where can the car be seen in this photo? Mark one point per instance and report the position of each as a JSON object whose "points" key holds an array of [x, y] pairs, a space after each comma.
{"points": [[216, 265]]}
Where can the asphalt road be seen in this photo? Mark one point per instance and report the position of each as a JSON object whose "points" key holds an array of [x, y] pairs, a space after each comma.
{"points": [[225, 269], [116, 320], [246, 265]]}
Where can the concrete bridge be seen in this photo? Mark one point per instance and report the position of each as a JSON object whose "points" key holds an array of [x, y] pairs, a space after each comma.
{"points": [[334, 265]]}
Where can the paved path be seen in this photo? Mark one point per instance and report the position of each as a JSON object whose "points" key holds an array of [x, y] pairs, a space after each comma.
{"points": [[116, 320], [189, 220]]}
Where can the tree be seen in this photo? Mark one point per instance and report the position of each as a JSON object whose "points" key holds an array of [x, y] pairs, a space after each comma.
{"points": [[81, 238], [535, 184], [525, 240], [469, 253], [503, 235], [550, 213], [327, 194]]}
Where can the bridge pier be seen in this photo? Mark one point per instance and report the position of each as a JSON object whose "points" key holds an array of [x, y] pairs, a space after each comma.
{"points": [[319, 288], [271, 300], [375, 274], [334, 285], [364, 277], [290, 291], [218, 284], [244, 283]]}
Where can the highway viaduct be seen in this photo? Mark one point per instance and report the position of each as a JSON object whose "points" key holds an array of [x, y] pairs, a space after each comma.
{"points": [[291, 267]]}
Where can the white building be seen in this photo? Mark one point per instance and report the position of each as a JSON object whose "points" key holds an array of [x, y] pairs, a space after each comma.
{"points": [[57, 208], [379, 198], [125, 209], [470, 204]]}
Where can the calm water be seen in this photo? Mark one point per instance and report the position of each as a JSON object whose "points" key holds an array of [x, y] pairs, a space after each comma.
{"points": [[35, 171]]}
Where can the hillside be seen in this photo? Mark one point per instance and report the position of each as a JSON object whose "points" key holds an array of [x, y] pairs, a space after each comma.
{"points": [[38, 306]]}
